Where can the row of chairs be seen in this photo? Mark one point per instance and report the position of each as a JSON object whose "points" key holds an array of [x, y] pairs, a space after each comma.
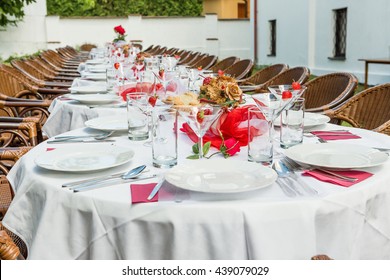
{"points": [[26, 90]]}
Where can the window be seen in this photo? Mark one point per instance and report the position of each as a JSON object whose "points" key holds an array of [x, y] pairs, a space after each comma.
{"points": [[272, 38], [340, 33]]}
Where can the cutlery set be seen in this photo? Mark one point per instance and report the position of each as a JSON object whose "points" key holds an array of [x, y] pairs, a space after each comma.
{"points": [[132, 175], [288, 178]]}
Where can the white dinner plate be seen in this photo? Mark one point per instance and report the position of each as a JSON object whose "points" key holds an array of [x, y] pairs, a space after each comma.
{"points": [[97, 70], [94, 99], [88, 89], [336, 155], [220, 176], [95, 76], [84, 158], [95, 61], [112, 123], [310, 120]]}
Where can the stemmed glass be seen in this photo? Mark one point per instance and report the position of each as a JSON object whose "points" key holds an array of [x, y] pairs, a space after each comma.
{"points": [[271, 104], [200, 118]]}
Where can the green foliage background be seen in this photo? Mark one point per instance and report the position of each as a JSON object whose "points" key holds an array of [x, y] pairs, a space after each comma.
{"points": [[125, 7], [11, 11]]}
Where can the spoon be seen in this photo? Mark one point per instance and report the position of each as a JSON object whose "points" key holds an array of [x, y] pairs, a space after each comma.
{"points": [[132, 173], [101, 136]]}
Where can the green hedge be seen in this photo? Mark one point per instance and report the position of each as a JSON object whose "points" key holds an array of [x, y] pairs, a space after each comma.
{"points": [[124, 7]]}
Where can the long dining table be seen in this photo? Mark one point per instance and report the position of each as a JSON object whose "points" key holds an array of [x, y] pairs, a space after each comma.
{"points": [[103, 223]]}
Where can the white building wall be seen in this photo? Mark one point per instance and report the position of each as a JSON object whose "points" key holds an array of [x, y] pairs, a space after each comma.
{"points": [[204, 34], [305, 35], [29, 36]]}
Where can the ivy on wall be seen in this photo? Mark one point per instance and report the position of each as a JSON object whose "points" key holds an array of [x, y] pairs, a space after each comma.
{"points": [[124, 7]]}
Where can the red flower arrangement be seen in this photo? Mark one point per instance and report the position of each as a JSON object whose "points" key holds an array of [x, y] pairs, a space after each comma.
{"points": [[120, 31]]}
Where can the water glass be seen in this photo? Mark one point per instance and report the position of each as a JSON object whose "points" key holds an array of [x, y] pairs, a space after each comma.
{"points": [[260, 136], [111, 79], [291, 126], [138, 116], [164, 137]]}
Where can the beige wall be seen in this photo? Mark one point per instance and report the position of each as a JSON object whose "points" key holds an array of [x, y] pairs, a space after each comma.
{"points": [[224, 8]]}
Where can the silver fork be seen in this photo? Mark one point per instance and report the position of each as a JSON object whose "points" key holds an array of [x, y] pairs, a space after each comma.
{"points": [[292, 167], [300, 167]]}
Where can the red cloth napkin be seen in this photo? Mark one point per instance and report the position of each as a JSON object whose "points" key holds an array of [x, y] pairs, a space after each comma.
{"points": [[334, 135], [360, 175], [140, 192]]}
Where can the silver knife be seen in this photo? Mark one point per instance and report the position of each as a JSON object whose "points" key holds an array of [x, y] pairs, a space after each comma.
{"points": [[156, 189], [98, 185], [77, 141]]}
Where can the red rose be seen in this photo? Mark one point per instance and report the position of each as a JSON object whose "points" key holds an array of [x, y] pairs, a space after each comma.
{"points": [[232, 146], [119, 29]]}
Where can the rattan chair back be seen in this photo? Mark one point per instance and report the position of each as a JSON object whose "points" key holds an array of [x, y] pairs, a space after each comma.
{"points": [[196, 60], [241, 69], [87, 47], [264, 75], [225, 63], [13, 83], [296, 74], [8, 250], [369, 109], [327, 91], [206, 62]]}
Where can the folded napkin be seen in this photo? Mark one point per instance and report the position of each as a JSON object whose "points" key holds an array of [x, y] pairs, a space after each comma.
{"points": [[140, 192], [359, 175], [50, 149], [334, 135]]}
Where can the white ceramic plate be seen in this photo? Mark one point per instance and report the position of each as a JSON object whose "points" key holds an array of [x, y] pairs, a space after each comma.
{"points": [[84, 158], [310, 120], [112, 123], [95, 61], [220, 176], [336, 155], [94, 99], [88, 89], [95, 76]]}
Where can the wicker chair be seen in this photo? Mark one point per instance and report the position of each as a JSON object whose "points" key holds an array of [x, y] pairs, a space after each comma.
{"points": [[149, 48], [321, 258], [241, 69], [9, 250], [36, 76], [196, 60], [225, 63], [14, 83], [328, 91], [297, 74], [369, 109], [87, 47], [187, 59], [8, 156], [56, 64], [263, 76], [205, 63], [8, 239]]}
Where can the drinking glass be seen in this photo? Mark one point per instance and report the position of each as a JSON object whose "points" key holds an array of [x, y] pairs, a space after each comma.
{"points": [[260, 144], [138, 116], [291, 124], [193, 75], [164, 137], [200, 118]]}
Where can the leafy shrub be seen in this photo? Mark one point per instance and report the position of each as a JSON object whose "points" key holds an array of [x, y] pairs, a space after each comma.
{"points": [[125, 7]]}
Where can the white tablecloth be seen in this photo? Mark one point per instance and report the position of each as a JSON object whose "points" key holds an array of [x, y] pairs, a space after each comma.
{"points": [[345, 223]]}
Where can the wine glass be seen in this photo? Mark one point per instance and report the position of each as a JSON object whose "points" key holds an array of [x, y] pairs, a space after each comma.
{"points": [[200, 118]]}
